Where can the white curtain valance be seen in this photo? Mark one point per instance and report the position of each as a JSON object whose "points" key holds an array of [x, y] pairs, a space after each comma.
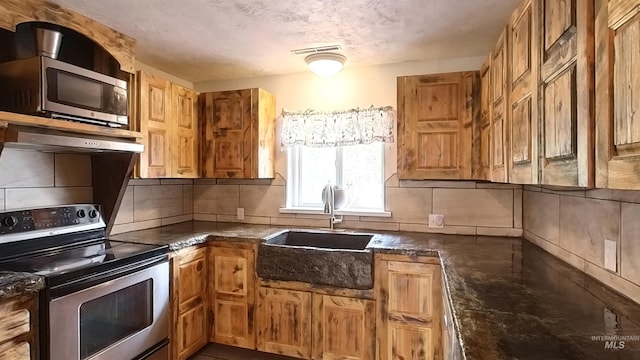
{"points": [[341, 128]]}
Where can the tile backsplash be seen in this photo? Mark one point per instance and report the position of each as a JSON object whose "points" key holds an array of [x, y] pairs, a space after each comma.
{"points": [[573, 225], [468, 207], [31, 179], [151, 203]]}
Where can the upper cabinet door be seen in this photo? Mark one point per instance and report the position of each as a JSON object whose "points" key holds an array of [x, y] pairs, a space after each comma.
{"points": [[618, 94], [523, 95], [184, 139], [226, 117], [481, 135], [499, 132], [567, 92], [435, 120], [238, 134], [155, 125]]}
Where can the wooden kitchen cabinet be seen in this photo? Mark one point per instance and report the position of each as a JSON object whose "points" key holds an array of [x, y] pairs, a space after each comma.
{"points": [[435, 121], [343, 328], [185, 162], [283, 319], [18, 328], [482, 140], [522, 46], [409, 308], [617, 88], [169, 124], [238, 134], [499, 132], [232, 293], [155, 118], [311, 321], [567, 92], [189, 297], [550, 120]]}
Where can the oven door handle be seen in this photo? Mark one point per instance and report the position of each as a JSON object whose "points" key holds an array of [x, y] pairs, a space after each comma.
{"points": [[102, 277]]}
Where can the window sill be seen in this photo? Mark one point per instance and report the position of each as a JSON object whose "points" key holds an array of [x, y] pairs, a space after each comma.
{"points": [[347, 212]]}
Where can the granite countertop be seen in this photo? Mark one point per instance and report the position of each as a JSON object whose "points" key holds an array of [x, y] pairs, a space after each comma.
{"points": [[19, 283], [513, 300], [510, 299], [190, 233]]}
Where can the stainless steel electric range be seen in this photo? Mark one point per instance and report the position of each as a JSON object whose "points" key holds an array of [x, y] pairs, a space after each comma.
{"points": [[103, 299]]}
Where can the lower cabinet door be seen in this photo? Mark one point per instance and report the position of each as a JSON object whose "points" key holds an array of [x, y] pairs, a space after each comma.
{"points": [[231, 288], [189, 307], [190, 334], [409, 295], [343, 328], [284, 322], [231, 325], [410, 342]]}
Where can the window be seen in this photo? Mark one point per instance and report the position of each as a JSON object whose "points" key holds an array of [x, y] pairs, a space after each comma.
{"points": [[358, 169]]}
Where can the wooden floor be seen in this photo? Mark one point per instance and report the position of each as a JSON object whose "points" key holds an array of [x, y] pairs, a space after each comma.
{"points": [[222, 352]]}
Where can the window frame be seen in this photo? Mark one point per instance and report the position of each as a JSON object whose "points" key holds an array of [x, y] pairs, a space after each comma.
{"points": [[294, 165]]}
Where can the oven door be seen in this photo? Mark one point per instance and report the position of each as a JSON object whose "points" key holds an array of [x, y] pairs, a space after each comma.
{"points": [[117, 319]]}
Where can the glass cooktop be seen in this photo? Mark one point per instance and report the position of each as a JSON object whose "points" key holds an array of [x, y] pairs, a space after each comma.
{"points": [[74, 258]]}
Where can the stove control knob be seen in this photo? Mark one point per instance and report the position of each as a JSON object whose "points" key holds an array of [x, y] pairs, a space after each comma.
{"points": [[10, 221], [81, 213], [93, 213]]}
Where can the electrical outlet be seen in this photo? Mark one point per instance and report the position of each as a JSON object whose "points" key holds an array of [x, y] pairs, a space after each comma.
{"points": [[610, 255], [436, 221], [240, 213]]}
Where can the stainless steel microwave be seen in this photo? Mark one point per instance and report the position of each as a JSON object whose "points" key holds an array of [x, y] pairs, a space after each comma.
{"points": [[44, 86]]}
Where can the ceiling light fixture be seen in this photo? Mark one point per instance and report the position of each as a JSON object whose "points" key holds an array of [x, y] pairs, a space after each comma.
{"points": [[325, 63]]}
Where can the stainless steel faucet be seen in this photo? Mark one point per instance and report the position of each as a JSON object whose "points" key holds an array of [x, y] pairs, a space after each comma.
{"points": [[329, 200]]}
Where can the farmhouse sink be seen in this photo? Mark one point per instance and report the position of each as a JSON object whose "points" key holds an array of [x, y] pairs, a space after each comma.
{"points": [[317, 257], [325, 240]]}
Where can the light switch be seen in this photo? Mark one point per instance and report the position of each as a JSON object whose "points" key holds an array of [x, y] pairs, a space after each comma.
{"points": [[240, 213]]}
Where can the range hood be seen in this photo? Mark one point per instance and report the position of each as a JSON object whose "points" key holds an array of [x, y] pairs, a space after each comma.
{"points": [[47, 140]]}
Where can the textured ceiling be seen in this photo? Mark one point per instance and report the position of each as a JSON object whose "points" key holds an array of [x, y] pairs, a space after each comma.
{"points": [[200, 40]]}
